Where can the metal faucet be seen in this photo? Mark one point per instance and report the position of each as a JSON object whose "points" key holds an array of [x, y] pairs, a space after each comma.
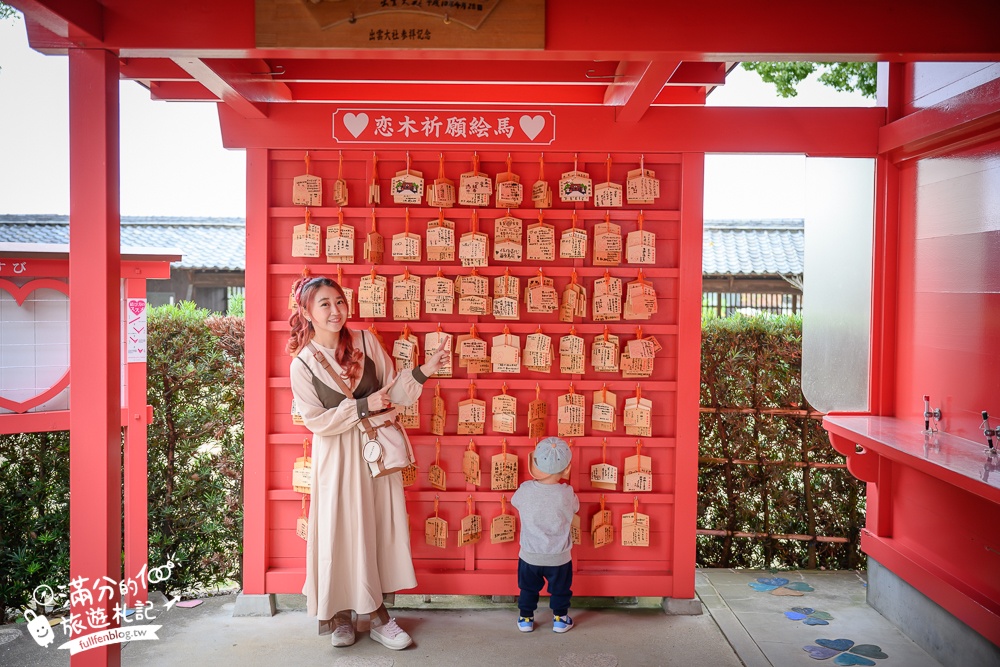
{"points": [[928, 413], [990, 433]]}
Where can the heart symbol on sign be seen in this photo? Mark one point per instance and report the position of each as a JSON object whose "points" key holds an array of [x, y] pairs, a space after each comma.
{"points": [[532, 125], [20, 294], [136, 305], [356, 123]]}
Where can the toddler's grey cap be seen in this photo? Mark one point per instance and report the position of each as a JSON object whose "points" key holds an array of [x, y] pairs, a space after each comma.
{"points": [[552, 455]]}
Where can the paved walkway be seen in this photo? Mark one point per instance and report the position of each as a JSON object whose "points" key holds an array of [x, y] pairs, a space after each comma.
{"points": [[742, 626]]}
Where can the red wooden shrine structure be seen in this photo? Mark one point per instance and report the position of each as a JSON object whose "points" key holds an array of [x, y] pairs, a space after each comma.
{"points": [[624, 81]]}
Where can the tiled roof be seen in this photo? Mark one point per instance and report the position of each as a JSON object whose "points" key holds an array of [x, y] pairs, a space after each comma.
{"points": [[731, 247], [206, 243], [735, 247]]}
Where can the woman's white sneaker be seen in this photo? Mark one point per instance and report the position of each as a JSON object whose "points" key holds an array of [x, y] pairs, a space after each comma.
{"points": [[343, 633], [390, 635]]}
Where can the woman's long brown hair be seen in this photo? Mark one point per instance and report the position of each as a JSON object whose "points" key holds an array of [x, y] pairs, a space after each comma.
{"points": [[349, 357]]}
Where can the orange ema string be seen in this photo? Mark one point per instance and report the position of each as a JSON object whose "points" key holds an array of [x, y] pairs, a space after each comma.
{"points": [[604, 451], [437, 499], [503, 446], [503, 504], [538, 392], [602, 502], [472, 390], [472, 445], [541, 167], [638, 447], [608, 165], [308, 162], [468, 503]]}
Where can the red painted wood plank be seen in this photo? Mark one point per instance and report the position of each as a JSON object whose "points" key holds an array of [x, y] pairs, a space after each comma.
{"points": [[95, 357]]}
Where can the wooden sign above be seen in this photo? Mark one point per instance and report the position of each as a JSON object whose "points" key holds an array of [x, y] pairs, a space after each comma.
{"points": [[401, 24]]}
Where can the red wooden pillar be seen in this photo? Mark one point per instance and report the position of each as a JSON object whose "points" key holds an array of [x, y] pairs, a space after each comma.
{"points": [[256, 415], [95, 342], [136, 434], [688, 374]]}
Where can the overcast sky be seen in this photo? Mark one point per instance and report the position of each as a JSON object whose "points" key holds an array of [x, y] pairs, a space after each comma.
{"points": [[173, 162]]}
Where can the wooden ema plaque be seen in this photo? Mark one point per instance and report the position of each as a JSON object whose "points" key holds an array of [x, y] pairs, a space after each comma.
{"points": [[570, 416], [471, 414], [635, 528], [602, 528], [406, 297], [440, 239], [638, 471], [506, 290], [505, 354], [472, 353], [503, 470], [573, 241], [436, 476], [436, 529], [471, 468], [442, 191], [603, 413], [302, 471], [372, 294], [538, 352], [603, 475], [438, 412], [540, 295], [307, 190], [302, 523], [340, 242], [504, 410], [439, 295], [573, 303], [507, 232], [504, 527], [472, 527], [538, 411]]}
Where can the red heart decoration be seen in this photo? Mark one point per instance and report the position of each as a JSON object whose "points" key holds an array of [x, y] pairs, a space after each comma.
{"points": [[136, 305], [20, 293]]}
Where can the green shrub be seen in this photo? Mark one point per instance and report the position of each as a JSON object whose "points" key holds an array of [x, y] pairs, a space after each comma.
{"points": [[34, 515], [753, 410], [195, 385]]}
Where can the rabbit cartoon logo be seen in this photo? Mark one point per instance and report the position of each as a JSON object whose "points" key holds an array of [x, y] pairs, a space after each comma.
{"points": [[39, 628]]}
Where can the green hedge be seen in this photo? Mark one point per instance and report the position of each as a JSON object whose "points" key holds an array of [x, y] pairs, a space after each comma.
{"points": [[195, 385], [753, 411]]}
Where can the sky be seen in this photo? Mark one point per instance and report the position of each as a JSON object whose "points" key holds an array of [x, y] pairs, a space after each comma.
{"points": [[173, 162]]}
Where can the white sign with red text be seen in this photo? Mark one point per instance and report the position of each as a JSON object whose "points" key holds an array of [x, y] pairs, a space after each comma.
{"points": [[444, 126]]}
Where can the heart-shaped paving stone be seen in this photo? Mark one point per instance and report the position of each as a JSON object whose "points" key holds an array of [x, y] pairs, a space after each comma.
{"points": [[761, 587], [800, 586], [870, 651], [819, 652], [812, 620], [805, 611], [786, 591], [849, 660], [836, 644], [794, 615], [773, 581], [823, 615]]}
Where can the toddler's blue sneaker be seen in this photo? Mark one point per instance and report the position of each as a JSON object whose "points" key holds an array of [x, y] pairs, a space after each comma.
{"points": [[562, 623], [525, 623]]}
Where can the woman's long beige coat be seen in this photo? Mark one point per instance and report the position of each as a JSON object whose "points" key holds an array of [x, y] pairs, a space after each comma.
{"points": [[358, 545]]}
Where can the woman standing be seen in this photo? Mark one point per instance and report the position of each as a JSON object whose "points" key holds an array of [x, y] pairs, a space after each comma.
{"points": [[358, 544]]}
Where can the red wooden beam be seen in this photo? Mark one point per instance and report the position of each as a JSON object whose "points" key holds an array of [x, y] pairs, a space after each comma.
{"points": [[681, 96], [150, 69], [494, 70], [637, 87], [78, 21], [698, 74], [727, 30], [819, 132], [973, 115], [243, 85], [181, 91]]}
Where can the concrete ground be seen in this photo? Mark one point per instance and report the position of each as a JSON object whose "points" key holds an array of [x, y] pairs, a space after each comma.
{"points": [[740, 626]]}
